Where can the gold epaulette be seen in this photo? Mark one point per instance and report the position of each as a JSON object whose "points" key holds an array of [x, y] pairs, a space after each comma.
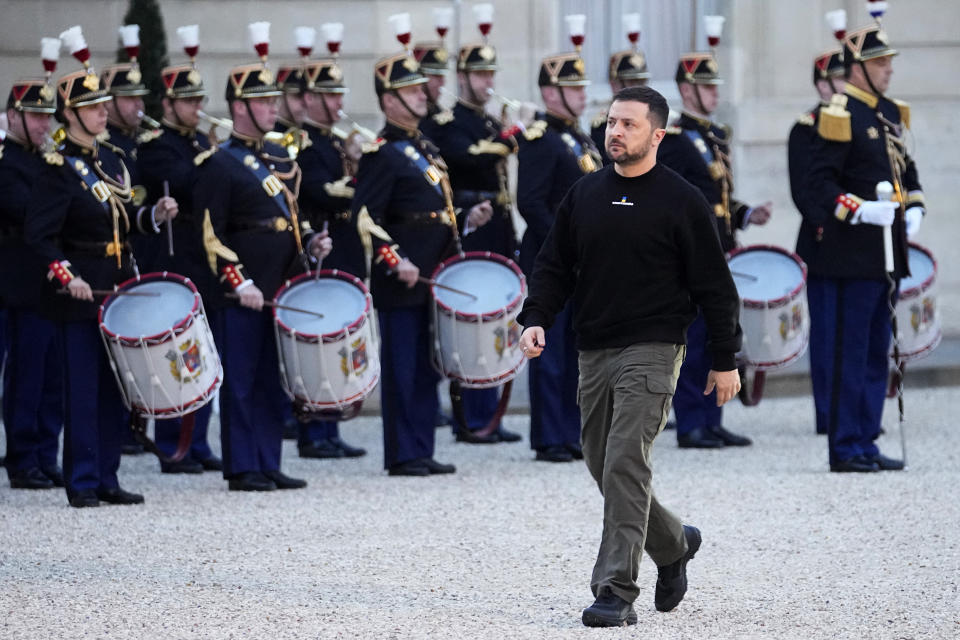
{"points": [[673, 130], [201, 157], [149, 136], [372, 147], [598, 120], [834, 123], [806, 120], [535, 130], [443, 117], [482, 147], [904, 112], [54, 158]]}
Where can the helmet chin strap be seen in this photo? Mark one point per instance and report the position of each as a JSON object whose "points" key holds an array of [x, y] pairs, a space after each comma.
{"points": [[83, 125], [253, 118], [870, 84], [26, 131], [326, 109], [566, 105], [405, 105], [473, 94], [696, 92]]}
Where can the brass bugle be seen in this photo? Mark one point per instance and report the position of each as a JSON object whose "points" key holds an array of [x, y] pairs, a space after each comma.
{"points": [[220, 123], [147, 120], [363, 131]]}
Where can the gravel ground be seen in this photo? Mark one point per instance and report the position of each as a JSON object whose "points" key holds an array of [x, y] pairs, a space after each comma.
{"points": [[504, 548]]}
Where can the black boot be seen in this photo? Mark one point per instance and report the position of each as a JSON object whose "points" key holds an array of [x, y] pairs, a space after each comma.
{"points": [[609, 610]]}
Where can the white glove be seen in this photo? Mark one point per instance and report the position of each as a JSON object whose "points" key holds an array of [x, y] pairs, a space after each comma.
{"points": [[913, 217], [878, 212]]}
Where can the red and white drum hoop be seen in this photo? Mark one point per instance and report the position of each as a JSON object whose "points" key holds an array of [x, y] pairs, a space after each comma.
{"points": [[918, 315]]}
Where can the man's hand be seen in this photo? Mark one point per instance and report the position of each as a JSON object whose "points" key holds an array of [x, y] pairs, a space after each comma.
{"points": [[79, 289], [727, 384], [479, 215], [320, 245], [166, 209], [408, 273], [761, 213], [532, 342], [251, 297]]}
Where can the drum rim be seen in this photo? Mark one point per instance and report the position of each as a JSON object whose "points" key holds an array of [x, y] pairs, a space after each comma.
{"points": [[782, 300], [479, 255], [351, 328], [188, 407], [928, 282], [154, 276]]}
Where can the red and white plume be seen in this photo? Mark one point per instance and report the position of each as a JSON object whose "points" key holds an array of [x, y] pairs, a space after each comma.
{"points": [[483, 12], [576, 28], [73, 40], [305, 37], [631, 26], [50, 54], [130, 38], [260, 38], [442, 18], [333, 34], [401, 27], [837, 21], [190, 40], [713, 27]]}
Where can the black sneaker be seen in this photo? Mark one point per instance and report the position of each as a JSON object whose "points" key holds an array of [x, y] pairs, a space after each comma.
{"points": [[609, 610], [672, 578]]}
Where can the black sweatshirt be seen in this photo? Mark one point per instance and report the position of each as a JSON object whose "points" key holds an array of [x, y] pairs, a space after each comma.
{"points": [[637, 256]]}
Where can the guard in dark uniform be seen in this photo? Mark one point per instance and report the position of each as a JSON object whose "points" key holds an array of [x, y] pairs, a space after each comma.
{"points": [[168, 157], [246, 199], [82, 212], [554, 153], [406, 219], [32, 387], [326, 195], [699, 150], [627, 68], [828, 81], [860, 143], [476, 147], [292, 82]]}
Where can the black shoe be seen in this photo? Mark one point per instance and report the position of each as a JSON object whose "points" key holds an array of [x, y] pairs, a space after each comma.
{"points": [[856, 464], [213, 463], [730, 439], [885, 463], [321, 449], [609, 610], [699, 438], [132, 449], [554, 454], [436, 468], [575, 450], [83, 499], [348, 451], [55, 473], [283, 481], [506, 435], [187, 465], [30, 479], [119, 496], [409, 468], [251, 481], [672, 579], [470, 437]]}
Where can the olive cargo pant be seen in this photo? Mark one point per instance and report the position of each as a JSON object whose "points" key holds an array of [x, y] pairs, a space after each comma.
{"points": [[624, 400]]}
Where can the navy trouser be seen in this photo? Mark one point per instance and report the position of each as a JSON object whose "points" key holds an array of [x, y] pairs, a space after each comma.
{"points": [[821, 349], [856, 322], [554, 414], [693, 409], [32, 392], [408, 385], [93, 419], [167, 434], [479, 405], [251, 399]]}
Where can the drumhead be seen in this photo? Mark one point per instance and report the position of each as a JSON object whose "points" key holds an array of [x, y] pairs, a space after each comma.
{"points": [[135, 316], [340, 302], [921, 268], [494, 284], [764, 275]]}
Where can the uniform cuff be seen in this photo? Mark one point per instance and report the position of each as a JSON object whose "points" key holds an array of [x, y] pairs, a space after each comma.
{"points": [[61, 271], [847, 205], [915, 199], [233, 274], [388, 256]]}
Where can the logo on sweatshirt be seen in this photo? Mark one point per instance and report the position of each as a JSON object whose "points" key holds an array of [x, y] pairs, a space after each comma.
{"points": [[622, 202]]}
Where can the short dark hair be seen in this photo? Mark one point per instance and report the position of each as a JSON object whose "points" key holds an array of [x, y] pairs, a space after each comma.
{"points": [[657, 104]]}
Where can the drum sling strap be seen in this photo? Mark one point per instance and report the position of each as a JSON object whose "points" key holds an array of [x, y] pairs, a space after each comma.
{"points": [[460, 418], [138, 424]]}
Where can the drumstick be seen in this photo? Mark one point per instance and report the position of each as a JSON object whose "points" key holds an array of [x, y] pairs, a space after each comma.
{"points": [[738, 274], [277, 305], [110, 292], [443, 286], [166, 194], [316, 276]]}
